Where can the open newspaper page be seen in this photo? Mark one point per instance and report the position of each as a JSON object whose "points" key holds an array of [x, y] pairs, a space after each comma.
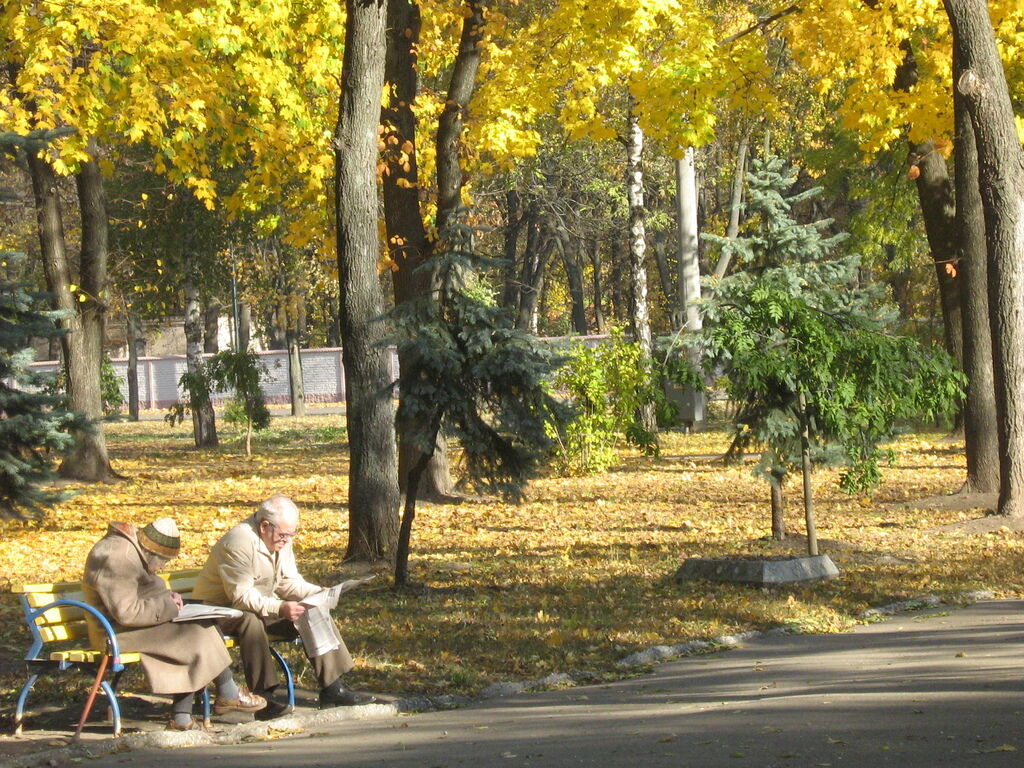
{"points": [[197, 611], [315, 626]]}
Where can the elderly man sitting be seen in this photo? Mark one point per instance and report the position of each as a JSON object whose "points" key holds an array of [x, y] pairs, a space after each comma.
{"points": [[252, 568], [178, 658]]}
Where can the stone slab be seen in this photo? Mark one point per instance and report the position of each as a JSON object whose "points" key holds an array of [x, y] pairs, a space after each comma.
{"points": [[763, 571]]}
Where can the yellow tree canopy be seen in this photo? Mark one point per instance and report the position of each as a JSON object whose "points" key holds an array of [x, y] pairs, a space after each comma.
{"points": [[854, 48], [207, 86]]}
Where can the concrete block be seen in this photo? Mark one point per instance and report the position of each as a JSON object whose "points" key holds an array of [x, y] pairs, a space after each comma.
{"points": [[758, 570]]}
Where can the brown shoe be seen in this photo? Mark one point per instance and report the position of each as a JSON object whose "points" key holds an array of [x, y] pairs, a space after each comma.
{"points": [[194, 725], [246, 702]]}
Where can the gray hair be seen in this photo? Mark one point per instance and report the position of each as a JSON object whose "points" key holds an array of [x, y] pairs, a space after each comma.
{"points": [[275, 508]]}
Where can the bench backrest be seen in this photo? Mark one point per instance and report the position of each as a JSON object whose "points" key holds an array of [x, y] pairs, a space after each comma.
{"points": [[67, 622]]}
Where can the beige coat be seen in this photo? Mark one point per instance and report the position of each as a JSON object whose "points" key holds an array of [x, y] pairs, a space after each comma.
{"points": [[177, 658], [243, 573]]}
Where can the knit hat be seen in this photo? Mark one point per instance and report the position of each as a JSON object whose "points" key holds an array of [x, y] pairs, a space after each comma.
{"points": [[161, 538]]}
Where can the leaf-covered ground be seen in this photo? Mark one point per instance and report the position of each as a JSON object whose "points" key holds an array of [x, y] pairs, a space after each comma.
{"points": [[574, 579]]}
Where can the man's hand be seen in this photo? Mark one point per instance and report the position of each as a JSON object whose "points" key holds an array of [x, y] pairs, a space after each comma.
{"points": [[177, 600], [291, 610]]}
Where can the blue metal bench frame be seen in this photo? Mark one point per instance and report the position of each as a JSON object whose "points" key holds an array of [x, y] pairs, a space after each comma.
{"points": [[34, 661]]}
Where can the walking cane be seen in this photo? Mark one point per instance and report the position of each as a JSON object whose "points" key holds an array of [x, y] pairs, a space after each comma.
{"points": [[92, 696]]}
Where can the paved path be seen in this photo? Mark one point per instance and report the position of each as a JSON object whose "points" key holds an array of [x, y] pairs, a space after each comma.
{"points": [[936, 688]]}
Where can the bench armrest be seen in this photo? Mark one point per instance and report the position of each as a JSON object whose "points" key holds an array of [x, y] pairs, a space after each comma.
{"points": [[37, 645]]}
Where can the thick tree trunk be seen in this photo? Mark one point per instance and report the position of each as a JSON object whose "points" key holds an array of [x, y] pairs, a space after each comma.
{"points": [[133, 326], [296, 386], [1001, 181], [641, 322], [82, 346], [370, 413], [981, 428], [204, 421]]}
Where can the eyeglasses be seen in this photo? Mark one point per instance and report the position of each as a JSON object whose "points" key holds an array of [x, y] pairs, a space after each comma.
{"points": [[280, 535]]}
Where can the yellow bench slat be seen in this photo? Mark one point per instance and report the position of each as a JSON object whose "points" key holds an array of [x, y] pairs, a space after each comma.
{"points": [[60, 632], [82, 656]]}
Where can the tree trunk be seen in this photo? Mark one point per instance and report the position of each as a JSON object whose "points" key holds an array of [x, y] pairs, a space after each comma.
{"points": [[686, 314], [735, 203], [1001, 181], [370, 413], [617, 299], [276, 323], [935, 192], [449, 125], [82, 346], [805, 460], [778, 507], [981, 428], [600, 324], [531, 279], [244, 326], [510, 248], [296, 386], [133, 365], [569, 252], [408, 244], [211, 327], [204, 421], [661, 261], [641, 322], [416, 472]]}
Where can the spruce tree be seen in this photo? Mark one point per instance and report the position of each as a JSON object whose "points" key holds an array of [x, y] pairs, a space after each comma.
{"points": [[809, 353], [34, 422], [473, 374]]}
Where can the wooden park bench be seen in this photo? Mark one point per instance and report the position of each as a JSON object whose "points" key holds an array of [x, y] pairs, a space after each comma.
{"points": [[55, 616]]}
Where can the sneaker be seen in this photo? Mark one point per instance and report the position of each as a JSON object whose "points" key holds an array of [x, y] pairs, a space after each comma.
{"points": [[246, 702], [338, 695], [272, 710]]}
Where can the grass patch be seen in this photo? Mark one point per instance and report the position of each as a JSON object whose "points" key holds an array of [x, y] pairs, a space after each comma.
{"points": [[575, 578]]}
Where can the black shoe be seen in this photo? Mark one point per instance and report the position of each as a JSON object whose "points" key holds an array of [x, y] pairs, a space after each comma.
{"points": [[273, 710], [337, 695]]}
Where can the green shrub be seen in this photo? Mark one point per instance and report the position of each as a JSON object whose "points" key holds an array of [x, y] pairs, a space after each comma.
{"points": [[110, 387], [606, 384]]}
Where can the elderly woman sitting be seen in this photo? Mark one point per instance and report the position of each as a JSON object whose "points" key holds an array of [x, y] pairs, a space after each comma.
{"points": [[178, 658]]}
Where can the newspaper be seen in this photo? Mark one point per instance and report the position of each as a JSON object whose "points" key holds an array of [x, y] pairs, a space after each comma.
{"points": [[315, 626], [197, 611]]}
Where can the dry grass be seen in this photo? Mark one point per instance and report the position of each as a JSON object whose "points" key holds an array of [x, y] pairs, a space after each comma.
{"points": [[574, 579]]}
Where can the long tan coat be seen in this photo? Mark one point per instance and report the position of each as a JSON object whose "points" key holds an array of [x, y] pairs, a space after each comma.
{"points": [[177, 658], [243, 573]]}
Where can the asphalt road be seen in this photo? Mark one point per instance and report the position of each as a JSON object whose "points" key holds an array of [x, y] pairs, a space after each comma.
{"points": [[942, 687]]}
